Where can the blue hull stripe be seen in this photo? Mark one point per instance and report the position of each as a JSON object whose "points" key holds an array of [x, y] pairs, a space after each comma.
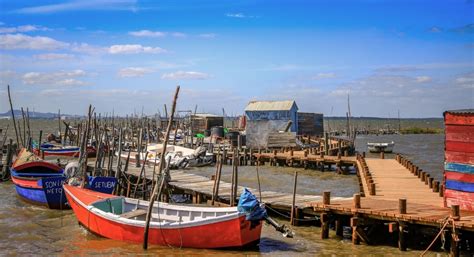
{"points": [[463, 168], [460, 186], [34, 195]]}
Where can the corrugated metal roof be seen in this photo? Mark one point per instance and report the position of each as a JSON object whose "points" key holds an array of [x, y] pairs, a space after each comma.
{"points": [[461, 111], [270, 105], [205, 115]]}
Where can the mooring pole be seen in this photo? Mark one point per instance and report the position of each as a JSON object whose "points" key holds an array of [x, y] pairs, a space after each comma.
{"points": [[293, 203], [13, 116], [162, 161], [258, 179]]}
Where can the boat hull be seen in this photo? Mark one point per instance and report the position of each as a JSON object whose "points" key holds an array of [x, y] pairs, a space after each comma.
{"points": [[380, 147], [48, 191], [223, 234]]}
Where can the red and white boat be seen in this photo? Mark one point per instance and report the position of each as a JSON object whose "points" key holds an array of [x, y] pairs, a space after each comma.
{"points": [[123, 219]]}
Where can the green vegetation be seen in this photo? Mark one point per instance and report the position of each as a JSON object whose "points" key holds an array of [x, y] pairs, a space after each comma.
{"points": [[417, 130]]}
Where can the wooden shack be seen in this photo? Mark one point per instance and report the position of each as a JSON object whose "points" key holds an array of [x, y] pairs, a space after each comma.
{"points": [[310, 124], [205, 121], [265, 117], [459, 159]]}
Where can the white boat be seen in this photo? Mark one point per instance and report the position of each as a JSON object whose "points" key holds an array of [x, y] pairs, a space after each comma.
{"points": [[381, 147], [181, 157]]}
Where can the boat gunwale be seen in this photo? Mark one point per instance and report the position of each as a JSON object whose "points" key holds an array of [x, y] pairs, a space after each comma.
{"points": [[153, 224]]}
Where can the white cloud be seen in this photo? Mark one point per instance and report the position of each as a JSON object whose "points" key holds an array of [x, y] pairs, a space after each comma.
{"points": [[53, 56], [466, 80], [435, 29], [178, 34], [21, 41], [134, 49], [61, 78], [88, 49], [185, 75], [236, 15], [207, 35], [240, 15], [130, 72], [147, 33], [324, 76], [292, 67], [6, 76], [23, 28], [110, 5], [423, 79]]}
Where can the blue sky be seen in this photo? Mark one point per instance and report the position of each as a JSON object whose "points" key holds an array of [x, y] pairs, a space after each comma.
{"points": [[125, 55]]}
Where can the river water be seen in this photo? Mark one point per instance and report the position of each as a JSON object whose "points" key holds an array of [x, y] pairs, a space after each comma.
{"points": [[30, 230]]}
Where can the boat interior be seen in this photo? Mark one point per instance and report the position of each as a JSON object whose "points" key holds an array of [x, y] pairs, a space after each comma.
{"points": [[136, 209]]}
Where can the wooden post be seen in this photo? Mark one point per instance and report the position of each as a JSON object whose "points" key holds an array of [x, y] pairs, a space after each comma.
{"points": [[6, 166], [324, 226], [455, 213], [454, 251], [382, 155], [355, 237], [157, 189], [402, 206], [372, 189], [441, 190], [356, 201], [436, 186], [13, 116], [327, 197], [293, 203], [338, 227], [430, 182], [402, 245], [258, 180]]}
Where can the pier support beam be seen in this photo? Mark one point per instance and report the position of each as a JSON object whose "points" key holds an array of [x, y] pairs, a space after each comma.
{"points": [[338, 227], [324, 226], [402, 244], [355, 236]]}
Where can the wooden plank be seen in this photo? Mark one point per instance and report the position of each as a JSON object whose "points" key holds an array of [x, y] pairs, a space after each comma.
{"points": [[459, 119]]}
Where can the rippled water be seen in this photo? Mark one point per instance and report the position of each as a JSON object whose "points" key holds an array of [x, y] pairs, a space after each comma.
{"points": [[426, 151], [29, 230]]}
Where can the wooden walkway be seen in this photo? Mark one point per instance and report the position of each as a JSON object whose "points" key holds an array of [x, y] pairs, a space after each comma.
{"points": [[393, 181], [201, 188]]}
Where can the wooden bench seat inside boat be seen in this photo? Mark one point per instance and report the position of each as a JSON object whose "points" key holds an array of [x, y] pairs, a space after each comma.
{"points": [[133, 214]]}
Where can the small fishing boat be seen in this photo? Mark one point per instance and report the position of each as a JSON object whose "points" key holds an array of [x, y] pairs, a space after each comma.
{"points": [[181, 157], [381, 147], [123, 219], [40, 182], [49, 149]]}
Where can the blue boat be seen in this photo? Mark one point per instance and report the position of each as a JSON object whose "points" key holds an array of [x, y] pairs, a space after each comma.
{"points": [[40, 182]]}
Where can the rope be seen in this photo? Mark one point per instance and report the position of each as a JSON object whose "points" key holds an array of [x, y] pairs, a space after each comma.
{"points": [[447, 220], [288, 217]]}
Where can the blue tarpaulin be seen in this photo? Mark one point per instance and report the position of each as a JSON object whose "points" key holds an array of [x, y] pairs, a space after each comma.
{"points": [[249, 205]]}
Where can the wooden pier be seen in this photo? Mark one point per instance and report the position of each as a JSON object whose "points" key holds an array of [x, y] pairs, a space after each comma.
{"points": [[400, 199]]}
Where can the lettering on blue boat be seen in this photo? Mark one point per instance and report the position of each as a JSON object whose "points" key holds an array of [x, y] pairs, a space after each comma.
{"points": [[53, 184], [57, 190], [103, 184]]}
